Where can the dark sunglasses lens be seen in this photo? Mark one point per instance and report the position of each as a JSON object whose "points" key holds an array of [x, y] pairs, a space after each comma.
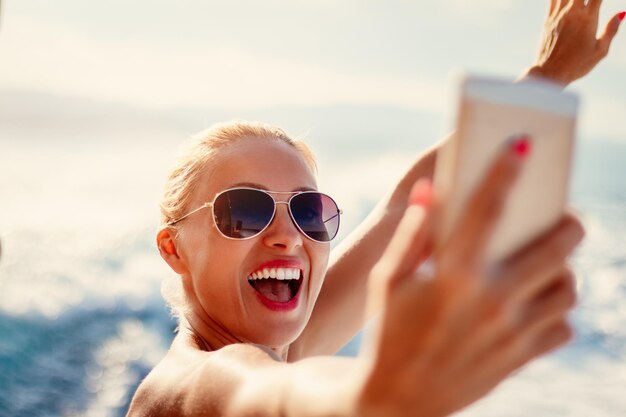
{"points": [[317, 215], [243, 213]]}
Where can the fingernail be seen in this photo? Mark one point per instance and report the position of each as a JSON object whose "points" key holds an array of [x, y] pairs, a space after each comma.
{"points": [[621, 16], [521, 146], [422, 193]]}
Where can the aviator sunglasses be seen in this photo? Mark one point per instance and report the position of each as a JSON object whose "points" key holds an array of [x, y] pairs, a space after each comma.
{"points": [[243, 213]]}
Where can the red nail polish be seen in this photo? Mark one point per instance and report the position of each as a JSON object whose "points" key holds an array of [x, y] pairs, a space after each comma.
{"points": [[521, 146], [422, 193], [621, 16]]}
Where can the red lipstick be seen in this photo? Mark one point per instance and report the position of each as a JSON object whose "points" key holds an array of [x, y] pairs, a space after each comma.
{"points": [[262, 288]]}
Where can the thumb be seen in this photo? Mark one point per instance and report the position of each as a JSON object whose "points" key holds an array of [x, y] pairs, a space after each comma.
{"points": [[604, 43], [412, 241], [409, 246]]}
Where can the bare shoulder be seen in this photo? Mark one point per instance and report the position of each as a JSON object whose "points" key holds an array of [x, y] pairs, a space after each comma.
{"points": [[189, 381]]}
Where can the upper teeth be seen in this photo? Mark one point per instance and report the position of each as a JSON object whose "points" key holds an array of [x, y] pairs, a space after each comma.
{"points": [[278, 273]]}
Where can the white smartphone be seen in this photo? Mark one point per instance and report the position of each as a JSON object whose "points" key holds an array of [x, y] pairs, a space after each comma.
{"points": [[490, 113]]}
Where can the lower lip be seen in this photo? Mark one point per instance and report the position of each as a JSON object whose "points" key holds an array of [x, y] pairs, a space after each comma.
{"points": [[276, 306]]}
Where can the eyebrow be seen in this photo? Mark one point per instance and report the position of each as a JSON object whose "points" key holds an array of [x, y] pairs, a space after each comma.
{"points": [[261, 187]]}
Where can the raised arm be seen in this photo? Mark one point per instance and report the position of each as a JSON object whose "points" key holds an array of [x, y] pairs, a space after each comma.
{"points": [[340, 309], [569, 50]]}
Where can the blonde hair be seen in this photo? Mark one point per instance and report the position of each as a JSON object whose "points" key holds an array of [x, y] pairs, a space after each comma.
{"points": [[189, 167]]}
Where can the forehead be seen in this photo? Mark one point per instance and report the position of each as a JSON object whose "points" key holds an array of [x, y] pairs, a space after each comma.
{"points": [[272, 164]]}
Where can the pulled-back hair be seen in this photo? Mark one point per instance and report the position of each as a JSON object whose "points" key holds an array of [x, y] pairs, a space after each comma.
{"points": [[184, 176]]}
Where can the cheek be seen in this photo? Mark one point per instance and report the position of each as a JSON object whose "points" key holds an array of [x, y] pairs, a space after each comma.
{"points": [[216, 264], [196, 249], [324, 256], [319, 262]]}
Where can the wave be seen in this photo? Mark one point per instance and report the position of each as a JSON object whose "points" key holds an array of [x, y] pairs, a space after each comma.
{"points": [[84, 362]]}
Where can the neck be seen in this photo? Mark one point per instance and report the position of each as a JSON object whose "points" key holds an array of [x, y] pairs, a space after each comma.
{"points": [[208, 335]]}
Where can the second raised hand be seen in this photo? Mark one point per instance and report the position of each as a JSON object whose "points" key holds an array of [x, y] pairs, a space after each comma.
{"points": [[570, 46]]}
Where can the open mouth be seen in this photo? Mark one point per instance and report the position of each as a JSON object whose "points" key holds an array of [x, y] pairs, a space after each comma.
{"points": [[278, 285]]}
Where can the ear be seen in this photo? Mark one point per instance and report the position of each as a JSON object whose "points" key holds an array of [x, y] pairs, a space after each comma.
{"points": [[166, 242]]}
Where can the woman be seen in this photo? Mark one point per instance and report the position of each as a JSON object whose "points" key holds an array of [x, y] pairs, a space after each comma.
{"points": [[248, 233]]}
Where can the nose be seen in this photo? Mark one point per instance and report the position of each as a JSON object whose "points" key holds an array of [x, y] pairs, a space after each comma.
{"points": [[282, 233]]}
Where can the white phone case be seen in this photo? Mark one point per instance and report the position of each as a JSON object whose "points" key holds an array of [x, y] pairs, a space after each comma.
{"points": [[490, 112]]}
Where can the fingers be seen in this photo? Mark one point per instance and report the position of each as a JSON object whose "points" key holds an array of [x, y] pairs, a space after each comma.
{"points": [[554, 5], [542, 338], [594, 5], [551, 338], [411, 243], [544, 342], [610, 30], [543, 328], [532, 268], [563, 4], [557, 5], [467, 244], [498, 363], [498, 319], [553, 304]]}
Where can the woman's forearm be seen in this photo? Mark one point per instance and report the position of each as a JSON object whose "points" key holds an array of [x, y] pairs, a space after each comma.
{"points": [[340, 310]]}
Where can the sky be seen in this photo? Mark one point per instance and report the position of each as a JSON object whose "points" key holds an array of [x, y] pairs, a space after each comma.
{"points": [[247, 54]]}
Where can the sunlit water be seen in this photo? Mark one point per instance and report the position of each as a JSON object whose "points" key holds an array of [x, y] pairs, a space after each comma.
{"points": [[82, 319]]}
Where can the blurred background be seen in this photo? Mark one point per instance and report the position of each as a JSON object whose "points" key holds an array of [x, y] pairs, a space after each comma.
{"points": [[95, 98]]}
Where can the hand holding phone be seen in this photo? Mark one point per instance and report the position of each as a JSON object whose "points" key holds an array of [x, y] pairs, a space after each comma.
{"points": [[492, 112]]}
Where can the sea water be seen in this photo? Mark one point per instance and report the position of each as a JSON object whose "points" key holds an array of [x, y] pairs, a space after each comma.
{"points": [[81, 316]]}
